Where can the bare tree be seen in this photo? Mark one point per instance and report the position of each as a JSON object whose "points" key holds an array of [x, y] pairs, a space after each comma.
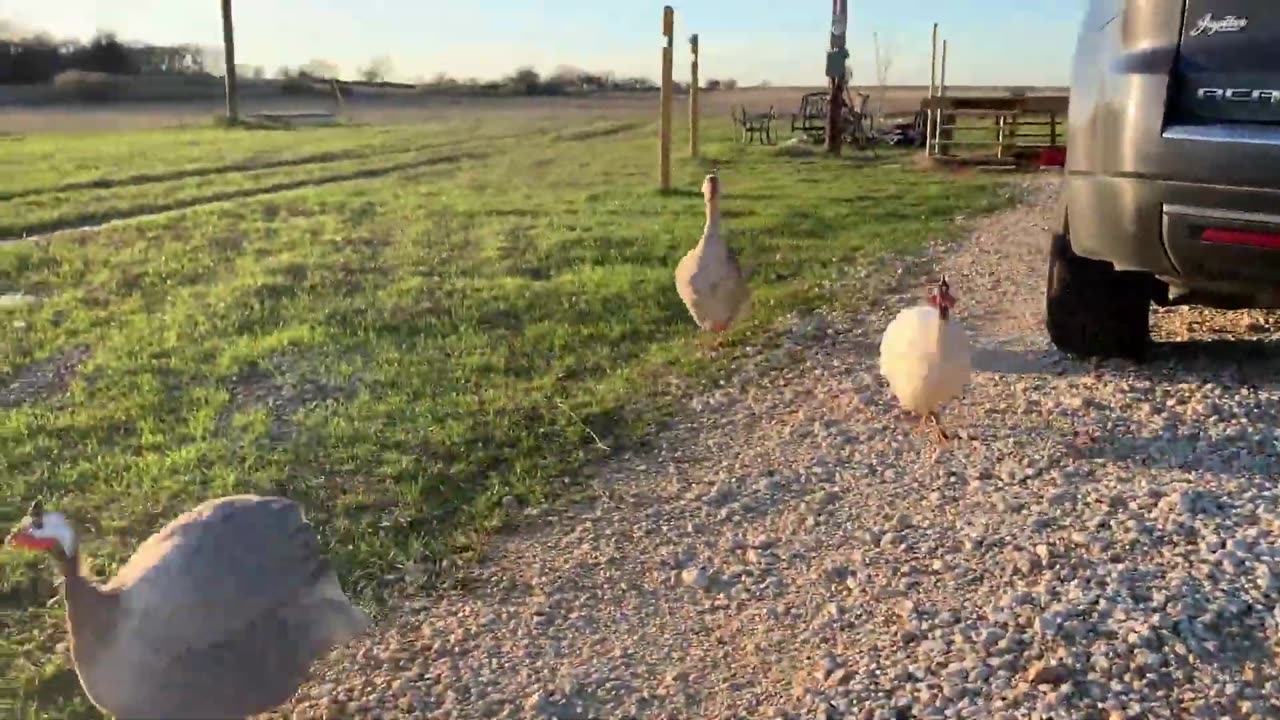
{"points": [[884, 62], [319, 68], [377, 70], [567, 73]]}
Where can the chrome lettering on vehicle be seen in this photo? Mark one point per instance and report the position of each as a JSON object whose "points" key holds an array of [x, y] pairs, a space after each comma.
{"points": [[1239, 95], [1208, 25]]}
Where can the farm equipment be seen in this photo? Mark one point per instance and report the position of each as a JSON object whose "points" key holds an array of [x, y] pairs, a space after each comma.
{"points": [[908, 133], [749, 126], [811, 118]]}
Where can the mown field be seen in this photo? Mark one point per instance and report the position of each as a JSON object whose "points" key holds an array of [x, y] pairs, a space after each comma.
{"points": [[399, 326]]}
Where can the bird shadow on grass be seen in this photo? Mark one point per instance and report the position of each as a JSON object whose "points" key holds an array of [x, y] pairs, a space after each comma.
{"points": [[753, 196], [681, 192]]}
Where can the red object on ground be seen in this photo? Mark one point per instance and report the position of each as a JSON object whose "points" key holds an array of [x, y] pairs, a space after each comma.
{"points": [[1055, 156], [1270, 241]]}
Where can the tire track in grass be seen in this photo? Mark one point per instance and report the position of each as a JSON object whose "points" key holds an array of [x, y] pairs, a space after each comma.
{"points": [[146, 178], [94, 221], [597, 131], [321, 158]]}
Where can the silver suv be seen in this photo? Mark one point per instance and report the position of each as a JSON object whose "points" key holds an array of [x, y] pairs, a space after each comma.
{"points": [[1172, 186]]}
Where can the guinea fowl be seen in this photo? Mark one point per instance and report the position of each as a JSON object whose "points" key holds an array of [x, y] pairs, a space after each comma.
{"points": [[926, 357], [711, 282], [220, 614]]}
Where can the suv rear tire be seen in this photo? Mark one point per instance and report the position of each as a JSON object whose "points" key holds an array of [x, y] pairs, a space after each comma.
{"points": [[1093, 310]]}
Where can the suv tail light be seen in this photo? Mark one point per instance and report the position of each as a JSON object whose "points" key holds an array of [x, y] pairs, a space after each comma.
{"points": [[1270, 241]]}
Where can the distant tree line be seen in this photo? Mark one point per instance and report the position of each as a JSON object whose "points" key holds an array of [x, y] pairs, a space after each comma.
{"points": [[40, 59], [727, 84], [563, 81], [527, 81]]}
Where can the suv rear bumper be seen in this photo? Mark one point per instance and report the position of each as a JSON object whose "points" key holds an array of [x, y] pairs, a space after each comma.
{"points": [[1157, 226]]}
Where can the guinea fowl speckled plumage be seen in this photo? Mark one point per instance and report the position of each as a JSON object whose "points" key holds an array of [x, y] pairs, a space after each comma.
{"points": [[220, 614], [709, 278]]}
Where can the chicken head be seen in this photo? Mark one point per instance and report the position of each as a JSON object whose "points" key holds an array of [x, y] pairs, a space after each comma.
{"points": [[941, 298]]}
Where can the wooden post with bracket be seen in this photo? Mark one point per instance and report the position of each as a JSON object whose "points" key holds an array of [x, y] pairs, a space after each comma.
{"points": [[664, 123], [836, 76]]}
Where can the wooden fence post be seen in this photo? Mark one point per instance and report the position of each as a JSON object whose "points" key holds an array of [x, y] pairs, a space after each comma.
{"points": [[693, 97], [933, 86], [664, 123], [946, 123]]}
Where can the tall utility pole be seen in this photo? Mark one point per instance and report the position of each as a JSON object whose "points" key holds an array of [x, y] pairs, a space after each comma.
{"points": [[836, 58], [229, 52], [693, 97], [664, 123]]}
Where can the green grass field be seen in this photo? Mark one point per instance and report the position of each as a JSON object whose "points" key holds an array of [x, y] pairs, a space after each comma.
{"points": [[400, 351]]}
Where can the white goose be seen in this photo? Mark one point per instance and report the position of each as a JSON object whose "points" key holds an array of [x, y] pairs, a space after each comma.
{"points": [[711, 282], [220, 614]]}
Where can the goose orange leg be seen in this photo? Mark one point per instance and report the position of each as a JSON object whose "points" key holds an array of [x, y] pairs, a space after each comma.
{"points": [[712, 340]]}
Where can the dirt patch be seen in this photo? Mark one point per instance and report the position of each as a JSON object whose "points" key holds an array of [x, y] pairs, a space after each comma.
{"points": [[283, 386], [44, 379]]}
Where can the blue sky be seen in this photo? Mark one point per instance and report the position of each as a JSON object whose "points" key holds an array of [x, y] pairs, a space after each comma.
{"points": [[1026, 42]]}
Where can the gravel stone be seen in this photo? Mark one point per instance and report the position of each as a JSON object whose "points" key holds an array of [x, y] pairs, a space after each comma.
{"points": [[1099, 540]]}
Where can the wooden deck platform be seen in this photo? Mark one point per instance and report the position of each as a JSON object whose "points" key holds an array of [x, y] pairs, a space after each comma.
{"points": [[994, 129]]}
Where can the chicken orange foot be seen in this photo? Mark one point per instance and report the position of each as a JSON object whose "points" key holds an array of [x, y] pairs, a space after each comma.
{"points": [[932, 424]]}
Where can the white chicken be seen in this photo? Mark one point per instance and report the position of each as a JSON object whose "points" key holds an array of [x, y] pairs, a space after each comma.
{"points": [[711, 282], [926, 357]]}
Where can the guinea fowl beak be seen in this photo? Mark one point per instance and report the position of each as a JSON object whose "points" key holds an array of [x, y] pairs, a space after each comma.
{"points": [[24, 539], [21, 536]]}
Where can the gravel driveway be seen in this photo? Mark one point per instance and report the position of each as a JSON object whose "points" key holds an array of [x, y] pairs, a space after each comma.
{"points": [[1101, 541]]}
